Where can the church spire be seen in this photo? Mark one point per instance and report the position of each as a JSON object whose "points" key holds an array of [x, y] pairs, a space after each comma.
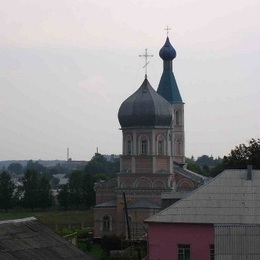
{"points": [[168, 87]]}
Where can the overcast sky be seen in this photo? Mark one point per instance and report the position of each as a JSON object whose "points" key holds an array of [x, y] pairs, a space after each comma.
{"points": [[67, 65]]}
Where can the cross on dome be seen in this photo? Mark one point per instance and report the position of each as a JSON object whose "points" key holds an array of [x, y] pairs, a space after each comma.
{"points": [[146, 55], [167, 29]]}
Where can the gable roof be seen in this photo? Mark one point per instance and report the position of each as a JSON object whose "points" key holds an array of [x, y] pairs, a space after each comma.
{"points": [[229, 198], [26, 239]]}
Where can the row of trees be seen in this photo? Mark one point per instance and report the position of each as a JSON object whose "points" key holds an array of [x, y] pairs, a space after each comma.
{"points": [[79, 192], [239, 158], [37, 182], [34, 193]]}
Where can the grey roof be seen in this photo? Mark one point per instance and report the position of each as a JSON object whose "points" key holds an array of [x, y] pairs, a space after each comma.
{"points": [[28, 239], [145, 108], [142, 204], [226, 199], [107, 204]]}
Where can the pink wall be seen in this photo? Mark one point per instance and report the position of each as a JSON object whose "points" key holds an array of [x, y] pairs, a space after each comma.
{"points": [[164, 240]]}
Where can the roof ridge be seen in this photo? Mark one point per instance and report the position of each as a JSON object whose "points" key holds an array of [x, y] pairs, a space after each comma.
{"points": [[20, 220]]}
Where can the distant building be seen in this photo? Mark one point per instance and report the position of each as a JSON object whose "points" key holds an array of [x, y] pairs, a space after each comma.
{"points": [[220, 220], [74, 165], [111, 157], [152, 171], [24, 239]]}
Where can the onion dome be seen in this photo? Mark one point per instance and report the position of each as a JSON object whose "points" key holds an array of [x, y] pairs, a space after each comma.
{"points": [[145, 108], [167, 52]]}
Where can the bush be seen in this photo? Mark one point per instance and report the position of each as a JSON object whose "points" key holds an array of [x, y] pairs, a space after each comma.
{"points": [[111, 242]]}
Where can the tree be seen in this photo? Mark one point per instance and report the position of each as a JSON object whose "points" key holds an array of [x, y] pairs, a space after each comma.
{"points": [[194, 167], [217, 169], [35, 166], [89, 195], [79, 192], [36, 191], [99, 164], [244, 155], [64, 197], [7, 190], [16, 168], [75, 188]]}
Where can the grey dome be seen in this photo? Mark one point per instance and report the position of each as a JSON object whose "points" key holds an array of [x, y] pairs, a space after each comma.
{"points": [[145, 108]]}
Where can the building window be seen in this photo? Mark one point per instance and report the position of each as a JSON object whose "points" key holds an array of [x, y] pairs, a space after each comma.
{"points": [[160, 147], [212, 252], [183, 252], [129, 147], [178, 117], [106, 223], [144, 147], [177, 147]]}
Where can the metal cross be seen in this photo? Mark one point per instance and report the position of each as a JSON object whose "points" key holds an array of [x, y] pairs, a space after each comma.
{"points": [[167, 29], [146, 62]]}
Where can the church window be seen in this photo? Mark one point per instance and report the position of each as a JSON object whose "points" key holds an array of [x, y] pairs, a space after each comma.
{"points": [[177, 147], [106, 223], [178, 117], [160, 147], [144, 147], [129, 147]]}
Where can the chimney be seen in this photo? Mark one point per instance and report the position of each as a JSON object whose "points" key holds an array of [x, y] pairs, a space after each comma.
{"points": [[249, 172]]}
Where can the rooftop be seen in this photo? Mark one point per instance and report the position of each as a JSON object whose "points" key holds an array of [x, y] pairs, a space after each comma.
{"points": [[233, 197], [28, 239]]}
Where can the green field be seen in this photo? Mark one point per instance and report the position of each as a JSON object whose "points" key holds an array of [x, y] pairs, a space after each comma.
{"points": [[56, 220]]}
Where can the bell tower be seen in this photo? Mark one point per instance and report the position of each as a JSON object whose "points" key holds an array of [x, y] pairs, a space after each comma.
{"points": [[168, 89]]}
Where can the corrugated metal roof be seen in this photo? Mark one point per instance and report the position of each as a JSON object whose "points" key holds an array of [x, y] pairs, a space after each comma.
{"points": [[228, 198], [238, 242], [27, 239]]}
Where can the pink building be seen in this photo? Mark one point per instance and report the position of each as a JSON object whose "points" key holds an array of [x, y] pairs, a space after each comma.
{"points": [[220, 220]]}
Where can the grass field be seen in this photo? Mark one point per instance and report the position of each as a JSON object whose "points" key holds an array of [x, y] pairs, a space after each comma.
{"points": [[54, 219]]}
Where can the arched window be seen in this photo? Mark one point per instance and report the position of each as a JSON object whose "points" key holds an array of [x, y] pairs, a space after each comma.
{"points": [[160, 145], [178, 117], [143, 145], [106, 223], [177, 147], [128, 145]]}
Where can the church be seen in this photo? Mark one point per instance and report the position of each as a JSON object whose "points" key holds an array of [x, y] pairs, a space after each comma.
{"points": [[152, 164]]}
